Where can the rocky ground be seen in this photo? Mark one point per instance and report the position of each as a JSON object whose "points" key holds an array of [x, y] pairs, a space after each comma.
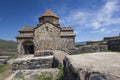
{"points": [[89, 66], [92, 66]]}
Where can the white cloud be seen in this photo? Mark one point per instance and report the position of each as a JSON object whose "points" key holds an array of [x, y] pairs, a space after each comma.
{"points": [[104, 15], [102, 30], [96, 20], [105, 30]]}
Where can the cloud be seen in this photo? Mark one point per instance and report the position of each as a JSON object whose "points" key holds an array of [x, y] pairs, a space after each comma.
{"points": [[104, 16], [102, 30], [105, 30], [96, 20]]}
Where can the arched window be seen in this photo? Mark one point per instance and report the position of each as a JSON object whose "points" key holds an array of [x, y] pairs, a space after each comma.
{"points": [[46, 28]]}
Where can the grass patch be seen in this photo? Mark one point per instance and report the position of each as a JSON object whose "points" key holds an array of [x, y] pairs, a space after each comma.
{"points": [[8, 46], [4, 68], [108, 51], [44, 76], [60, 74], [20, 76]]}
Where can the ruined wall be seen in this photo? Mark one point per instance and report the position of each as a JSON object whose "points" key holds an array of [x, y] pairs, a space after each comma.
{"points": [[91, 48], [114, 45], [47, 37], [33, 63]]}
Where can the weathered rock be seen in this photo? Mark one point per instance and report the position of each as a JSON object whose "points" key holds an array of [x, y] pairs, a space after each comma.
{"points": [[92, 66]]}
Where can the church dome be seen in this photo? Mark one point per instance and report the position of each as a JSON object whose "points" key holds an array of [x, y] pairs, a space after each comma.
{"points": [[49, 13], [49, 16]]}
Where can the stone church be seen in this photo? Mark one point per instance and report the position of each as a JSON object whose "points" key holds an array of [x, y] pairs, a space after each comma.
{"points": [[46, 35]]}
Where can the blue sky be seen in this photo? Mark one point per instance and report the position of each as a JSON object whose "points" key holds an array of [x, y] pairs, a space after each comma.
{"points": [[92, 19]]}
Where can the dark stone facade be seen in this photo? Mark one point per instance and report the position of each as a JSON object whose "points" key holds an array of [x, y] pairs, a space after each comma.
{"points": [[114, 45]]}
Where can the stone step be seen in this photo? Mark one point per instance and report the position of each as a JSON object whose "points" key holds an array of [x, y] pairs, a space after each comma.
{"points": [[4, 59], [33, 63], [43, 53]]}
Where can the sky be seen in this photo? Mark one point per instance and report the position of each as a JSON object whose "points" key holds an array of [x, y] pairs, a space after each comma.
{"points": [[92, 20]]}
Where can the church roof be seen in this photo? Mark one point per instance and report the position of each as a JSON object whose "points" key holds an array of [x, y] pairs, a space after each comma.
{"points": [[66, 28], [24, 36], [49, 13], [70, 33], [27, 29]]}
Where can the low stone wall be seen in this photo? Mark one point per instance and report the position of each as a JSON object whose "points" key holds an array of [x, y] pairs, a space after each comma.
{"points": [[4, 59], [33, 63], [89, 49], [43, 53], [114, 45]]}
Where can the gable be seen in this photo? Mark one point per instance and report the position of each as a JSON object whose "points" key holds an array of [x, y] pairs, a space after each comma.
{"points": [[47, 27], [47, 22]]}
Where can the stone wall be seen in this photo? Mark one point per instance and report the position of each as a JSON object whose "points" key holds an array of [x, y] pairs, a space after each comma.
{"points": [[47, 37], [67, 43], [4, 59], [88, 49], [33, 63], [43, 53], [114, 45]]}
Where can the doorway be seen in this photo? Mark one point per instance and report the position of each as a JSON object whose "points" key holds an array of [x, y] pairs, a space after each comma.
{"points": [[28, 47]]}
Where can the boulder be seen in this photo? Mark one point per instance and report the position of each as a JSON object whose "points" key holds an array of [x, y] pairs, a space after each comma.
{"points": [[92, 66]]}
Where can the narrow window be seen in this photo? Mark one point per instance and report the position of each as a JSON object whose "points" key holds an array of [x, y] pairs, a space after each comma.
{"points": [[46, 28]]}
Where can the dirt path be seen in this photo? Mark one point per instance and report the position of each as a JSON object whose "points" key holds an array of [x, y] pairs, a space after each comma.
{"points": [[11, 76]]}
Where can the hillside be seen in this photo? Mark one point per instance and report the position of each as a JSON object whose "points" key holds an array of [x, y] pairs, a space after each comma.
{"points": [[8, 46], [80, 43]]}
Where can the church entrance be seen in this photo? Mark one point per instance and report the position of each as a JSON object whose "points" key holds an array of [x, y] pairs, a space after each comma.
{"points": [[28, 47]]}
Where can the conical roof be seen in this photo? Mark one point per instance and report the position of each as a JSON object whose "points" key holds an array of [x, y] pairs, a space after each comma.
{"points": [[49, 13]]}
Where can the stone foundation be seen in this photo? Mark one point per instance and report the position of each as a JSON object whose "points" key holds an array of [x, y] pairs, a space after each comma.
{"points": [[43, 53], [33, 63]]}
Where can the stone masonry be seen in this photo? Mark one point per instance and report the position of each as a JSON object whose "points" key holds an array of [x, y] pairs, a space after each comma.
{"points": [[47, 35], [33, 63]]}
